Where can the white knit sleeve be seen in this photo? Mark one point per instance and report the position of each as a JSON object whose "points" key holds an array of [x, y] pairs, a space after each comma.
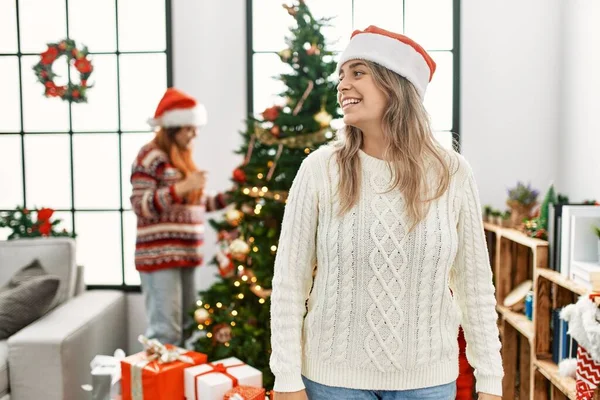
{"points": [[292, 280], [471, 283]]}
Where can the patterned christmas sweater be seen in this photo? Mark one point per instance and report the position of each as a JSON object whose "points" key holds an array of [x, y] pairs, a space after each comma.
{"points": [[170, 232]]}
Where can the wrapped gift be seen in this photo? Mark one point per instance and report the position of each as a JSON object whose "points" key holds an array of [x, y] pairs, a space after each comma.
{"points": [[106, 376], [157, 373], [211, 381], [245, 393]]}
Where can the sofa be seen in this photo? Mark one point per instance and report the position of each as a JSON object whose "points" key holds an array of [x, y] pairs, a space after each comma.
{"points": [[50, 358]]}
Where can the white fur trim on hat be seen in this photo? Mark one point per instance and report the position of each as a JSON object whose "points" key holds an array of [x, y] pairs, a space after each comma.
{"points": [[391, 53], [195, 116]]}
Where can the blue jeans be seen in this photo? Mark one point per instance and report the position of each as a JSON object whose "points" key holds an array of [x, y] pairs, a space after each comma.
{"points": [[169, 294], [316, 391]]}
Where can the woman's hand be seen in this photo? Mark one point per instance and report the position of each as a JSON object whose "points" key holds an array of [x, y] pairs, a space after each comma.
{"points": [[301, 395], [195, 181], [487, 396]]}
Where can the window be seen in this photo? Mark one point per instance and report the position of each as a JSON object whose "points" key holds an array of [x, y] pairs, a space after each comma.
{"points": [[432, 23], [76, 158]]}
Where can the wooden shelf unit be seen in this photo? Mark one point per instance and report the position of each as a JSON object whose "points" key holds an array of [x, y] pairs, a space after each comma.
{"points": [[529, 372]]}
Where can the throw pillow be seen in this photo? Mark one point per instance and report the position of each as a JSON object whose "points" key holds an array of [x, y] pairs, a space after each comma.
{"points": [[26, 298]]}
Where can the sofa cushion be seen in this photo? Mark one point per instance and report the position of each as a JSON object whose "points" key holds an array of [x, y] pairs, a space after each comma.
{"points": [[3, 368], [26, 299]]}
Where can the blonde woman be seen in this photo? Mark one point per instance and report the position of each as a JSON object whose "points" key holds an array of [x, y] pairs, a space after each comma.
{"points": [[393, 222]]}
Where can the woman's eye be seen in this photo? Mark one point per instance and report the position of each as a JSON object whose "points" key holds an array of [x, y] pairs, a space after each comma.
{"points": [[358, 72]]}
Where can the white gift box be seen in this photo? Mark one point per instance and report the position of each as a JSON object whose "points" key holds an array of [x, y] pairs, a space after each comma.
{"points": [[211, 381]]}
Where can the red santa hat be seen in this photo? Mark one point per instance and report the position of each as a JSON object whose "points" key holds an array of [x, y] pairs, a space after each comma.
{"points": [[394, 51], [176, 109]]}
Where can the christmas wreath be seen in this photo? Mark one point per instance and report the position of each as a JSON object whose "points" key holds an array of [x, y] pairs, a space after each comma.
{"points": [[43, 70]]}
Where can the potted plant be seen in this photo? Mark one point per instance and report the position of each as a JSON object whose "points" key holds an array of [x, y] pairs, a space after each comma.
{"points": [[521, 200], [597, 230], [487, 213], [496, 217], [505, 219]]}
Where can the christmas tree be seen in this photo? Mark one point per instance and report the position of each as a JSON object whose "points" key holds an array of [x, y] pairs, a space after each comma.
{"points": [[234, 313]]}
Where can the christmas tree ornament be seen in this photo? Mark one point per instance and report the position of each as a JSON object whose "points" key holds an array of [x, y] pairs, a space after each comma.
{"points": [[75, 93], [323, 118], [272, 169], [221, 333], [234, 217], [310, 86], [275, 131], [201, 315], [285, 54], [239, 249], [313, 50], [271, 113], [239, 176]]}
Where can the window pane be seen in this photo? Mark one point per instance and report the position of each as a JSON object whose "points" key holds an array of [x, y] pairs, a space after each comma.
{"points": [[143, 80], [132, 277], [368, 12], [8, 26], [93, 24], [10, 99], [270, 25], [338, 34], [40, 113], [137, 33], [96, 160], [438, 99], [267, 68], [131, 143], [429, 23], [66, 222], [99, 246], [445, 138], [48, 171], [11, 172], [100, 111], [41, 22]]}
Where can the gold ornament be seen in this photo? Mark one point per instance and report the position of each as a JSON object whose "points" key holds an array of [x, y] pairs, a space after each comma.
{"points": [[323, 118], [234, 217], [285, 54], [201, 316], [239, 249]]}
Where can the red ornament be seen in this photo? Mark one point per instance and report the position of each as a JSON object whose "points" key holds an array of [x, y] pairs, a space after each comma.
{"points": [[239, 175], [221, 333], [75, 93], [271, 113], [83, 82], [62, 46], [275, 131]]}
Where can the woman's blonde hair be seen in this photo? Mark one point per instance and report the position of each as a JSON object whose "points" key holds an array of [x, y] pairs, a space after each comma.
{"points": [[180, 158], [411, 149]]}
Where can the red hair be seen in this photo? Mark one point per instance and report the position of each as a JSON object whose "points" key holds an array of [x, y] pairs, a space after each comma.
{"points": [[179, 158]]}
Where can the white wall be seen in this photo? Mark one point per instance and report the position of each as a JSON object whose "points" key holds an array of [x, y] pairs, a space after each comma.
{"points": [[579, 155], [510, 52], [209, 61]]}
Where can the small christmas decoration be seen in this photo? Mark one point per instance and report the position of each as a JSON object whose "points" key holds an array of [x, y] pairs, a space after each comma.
{"points": [[239, 249], [234, 217], [323, 118], [239, 175], [221, 333], [285, 54], [76, 93], [275, 131], [201, 315], [271, 113], [313, 49]]}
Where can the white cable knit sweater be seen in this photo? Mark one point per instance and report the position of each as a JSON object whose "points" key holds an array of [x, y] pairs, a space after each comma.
{"points": [[381, 314]]}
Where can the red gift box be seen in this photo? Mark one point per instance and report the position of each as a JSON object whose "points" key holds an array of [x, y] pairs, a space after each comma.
{"points": [[245, 393], [157, 375]]}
